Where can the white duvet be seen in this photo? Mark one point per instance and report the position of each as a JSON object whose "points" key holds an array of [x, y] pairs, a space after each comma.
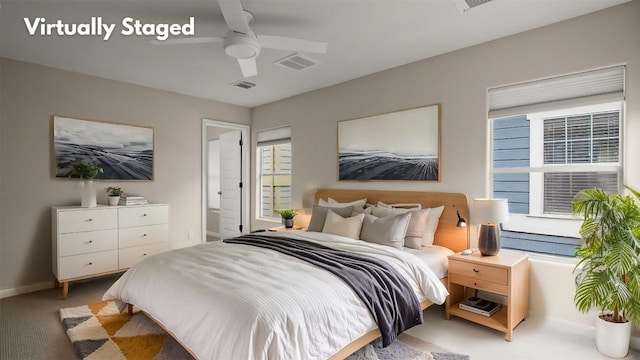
{"points": [[232, 301]]}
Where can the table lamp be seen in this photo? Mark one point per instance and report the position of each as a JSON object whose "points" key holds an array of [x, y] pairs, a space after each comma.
{"points": [[489, 213]]}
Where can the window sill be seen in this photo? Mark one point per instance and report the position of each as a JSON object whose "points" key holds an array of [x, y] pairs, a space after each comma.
{"points": [[556, 259]]}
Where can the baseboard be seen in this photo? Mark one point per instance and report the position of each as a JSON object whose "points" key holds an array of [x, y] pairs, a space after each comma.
{"points": [[26, 289], [214, 234]]}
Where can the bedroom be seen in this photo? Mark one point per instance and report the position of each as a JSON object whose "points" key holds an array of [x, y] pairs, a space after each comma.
{"points": [[457, 80]]}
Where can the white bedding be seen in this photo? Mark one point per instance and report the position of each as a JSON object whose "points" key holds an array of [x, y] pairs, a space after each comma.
{"points": [[231, 301], [435, 257]]}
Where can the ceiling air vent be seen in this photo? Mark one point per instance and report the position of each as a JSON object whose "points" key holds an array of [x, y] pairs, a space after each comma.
{"points": [[297, 62], [244, 84], [465, 5]]}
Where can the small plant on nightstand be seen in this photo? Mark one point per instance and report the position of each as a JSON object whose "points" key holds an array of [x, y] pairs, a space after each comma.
{"points": [[114, 194], [287, 216]]}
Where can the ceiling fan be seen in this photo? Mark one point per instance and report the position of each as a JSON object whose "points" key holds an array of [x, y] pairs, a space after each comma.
{"points": [[242, 43]]}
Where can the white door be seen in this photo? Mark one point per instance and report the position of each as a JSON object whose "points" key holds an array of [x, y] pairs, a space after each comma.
{"points": [[231, 184]]}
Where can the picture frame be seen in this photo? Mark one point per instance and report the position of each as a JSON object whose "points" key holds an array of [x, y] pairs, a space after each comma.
{"points": [[124, 152], [399, 145]]}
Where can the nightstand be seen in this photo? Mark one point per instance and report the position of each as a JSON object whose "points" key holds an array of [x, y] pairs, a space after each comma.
{"points": [[282, 228], [505, 274]]}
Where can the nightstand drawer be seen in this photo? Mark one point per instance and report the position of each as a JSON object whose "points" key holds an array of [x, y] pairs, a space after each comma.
{"points": [[479, 284], [479, 271]]}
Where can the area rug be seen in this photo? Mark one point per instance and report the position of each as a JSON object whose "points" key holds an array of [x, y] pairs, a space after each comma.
{"points": [[99, 331]]}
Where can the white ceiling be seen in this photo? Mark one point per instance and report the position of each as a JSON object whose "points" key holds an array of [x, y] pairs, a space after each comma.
{"points": [[364, 36]]}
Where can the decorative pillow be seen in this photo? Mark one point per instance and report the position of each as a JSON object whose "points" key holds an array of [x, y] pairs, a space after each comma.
{"points": [[432, 225], [349, 227], [319, 215], [417, 223], [416, 229], [358, 205], [389, 230]]}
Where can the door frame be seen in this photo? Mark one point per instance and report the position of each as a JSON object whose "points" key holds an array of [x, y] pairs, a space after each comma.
{"points": [[246, 171]]}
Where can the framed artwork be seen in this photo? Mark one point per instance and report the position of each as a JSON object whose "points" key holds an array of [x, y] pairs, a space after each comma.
{"points": [[124, 152], [401, 145]]}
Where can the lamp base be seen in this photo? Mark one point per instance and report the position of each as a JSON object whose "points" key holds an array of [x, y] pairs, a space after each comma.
{"points": [[489, 239]]}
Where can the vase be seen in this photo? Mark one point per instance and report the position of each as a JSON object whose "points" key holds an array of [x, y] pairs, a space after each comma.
{"points": [[288, 223], [88, 194]]}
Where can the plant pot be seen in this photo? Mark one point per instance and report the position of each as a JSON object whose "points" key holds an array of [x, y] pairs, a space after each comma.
{"points": [[288, 223], [113, 200], [612, 339], [88, 194]]}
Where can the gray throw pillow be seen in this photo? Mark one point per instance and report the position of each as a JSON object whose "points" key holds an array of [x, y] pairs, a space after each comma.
{"points": [[319, 216], [388, 230]]}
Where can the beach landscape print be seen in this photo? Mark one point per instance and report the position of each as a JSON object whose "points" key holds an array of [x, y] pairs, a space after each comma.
{"points": [[403, 145], [124, 152]]}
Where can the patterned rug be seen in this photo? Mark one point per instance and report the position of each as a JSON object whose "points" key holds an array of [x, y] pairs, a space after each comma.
{"points": [[98, 331]]}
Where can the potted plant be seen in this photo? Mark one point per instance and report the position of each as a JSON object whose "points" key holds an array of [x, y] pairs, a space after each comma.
{"points": [[114, 195], [86, 170], [608, 273], [287, 216]]}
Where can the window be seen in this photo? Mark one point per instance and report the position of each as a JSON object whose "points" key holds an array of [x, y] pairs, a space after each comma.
{"points": [[274, 161], [549, 140]]}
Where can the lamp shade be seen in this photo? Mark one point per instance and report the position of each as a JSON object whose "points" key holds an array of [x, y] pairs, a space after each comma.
{"points": [[490, 211]]}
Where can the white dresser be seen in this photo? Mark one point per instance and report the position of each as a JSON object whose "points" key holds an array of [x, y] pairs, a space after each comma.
{"points": [[90, 242]]}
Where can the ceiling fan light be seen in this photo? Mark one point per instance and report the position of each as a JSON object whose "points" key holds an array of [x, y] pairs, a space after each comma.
{"points": [[241, 47]]}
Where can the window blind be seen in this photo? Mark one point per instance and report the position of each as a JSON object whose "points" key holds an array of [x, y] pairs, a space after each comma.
{"points": [[281, 135], [590, 87]]}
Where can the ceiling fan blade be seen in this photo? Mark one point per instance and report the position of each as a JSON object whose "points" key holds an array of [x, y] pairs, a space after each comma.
{"points": [[293, 44], [234, 15], [248, 67], [190, 40]]}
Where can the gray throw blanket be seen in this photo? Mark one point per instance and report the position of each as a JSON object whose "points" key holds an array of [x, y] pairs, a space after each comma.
{"points": [[386, 293]]}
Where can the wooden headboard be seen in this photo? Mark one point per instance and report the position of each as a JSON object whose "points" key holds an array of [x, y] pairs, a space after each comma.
{"points": [[447, 234]]}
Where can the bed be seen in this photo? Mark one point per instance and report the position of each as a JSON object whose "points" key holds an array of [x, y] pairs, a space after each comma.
{"points": [[222, 300]]}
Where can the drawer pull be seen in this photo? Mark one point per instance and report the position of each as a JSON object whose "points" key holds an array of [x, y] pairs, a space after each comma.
{"points": [[144, 214], [90, 241], [90, 263], [90, 219], [476, 270], [144, 234], [145, 254]]}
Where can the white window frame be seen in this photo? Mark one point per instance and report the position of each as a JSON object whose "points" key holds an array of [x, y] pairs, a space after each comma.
{"points": [[536, 221], [269, 137]]}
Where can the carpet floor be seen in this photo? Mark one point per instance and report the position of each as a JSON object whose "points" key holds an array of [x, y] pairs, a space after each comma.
{"points": [[100, 331]]}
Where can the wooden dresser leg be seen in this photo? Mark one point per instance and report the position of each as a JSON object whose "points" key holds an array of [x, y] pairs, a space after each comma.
{"points": [[129, 309], [65, 290]]}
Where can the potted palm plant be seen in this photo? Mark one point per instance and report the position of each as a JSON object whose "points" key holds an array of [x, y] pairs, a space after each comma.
{"points": [[608, 273], [287, 216], [87, 171]]}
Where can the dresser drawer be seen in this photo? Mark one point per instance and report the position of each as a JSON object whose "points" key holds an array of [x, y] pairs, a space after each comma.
{"points": [[87, 220], [482, 272], [143, 215], [129, 256], [142, 235], [87, 264], [87, 242]]}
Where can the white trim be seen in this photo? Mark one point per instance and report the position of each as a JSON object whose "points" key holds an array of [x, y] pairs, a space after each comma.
{"points": [[246, 172], [26, 289]]}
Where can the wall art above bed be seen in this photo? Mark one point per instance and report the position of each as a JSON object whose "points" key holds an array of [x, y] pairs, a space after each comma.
{"points": [[124, 152], [401, 145]]}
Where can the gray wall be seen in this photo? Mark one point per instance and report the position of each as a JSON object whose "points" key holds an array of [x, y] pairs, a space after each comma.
{"points": [[30, 95], [459, 81]]}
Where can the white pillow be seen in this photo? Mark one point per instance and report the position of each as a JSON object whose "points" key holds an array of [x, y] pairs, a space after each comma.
{"points": [[432, 225], [417, 224], [389, 230], [348, 227]]}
